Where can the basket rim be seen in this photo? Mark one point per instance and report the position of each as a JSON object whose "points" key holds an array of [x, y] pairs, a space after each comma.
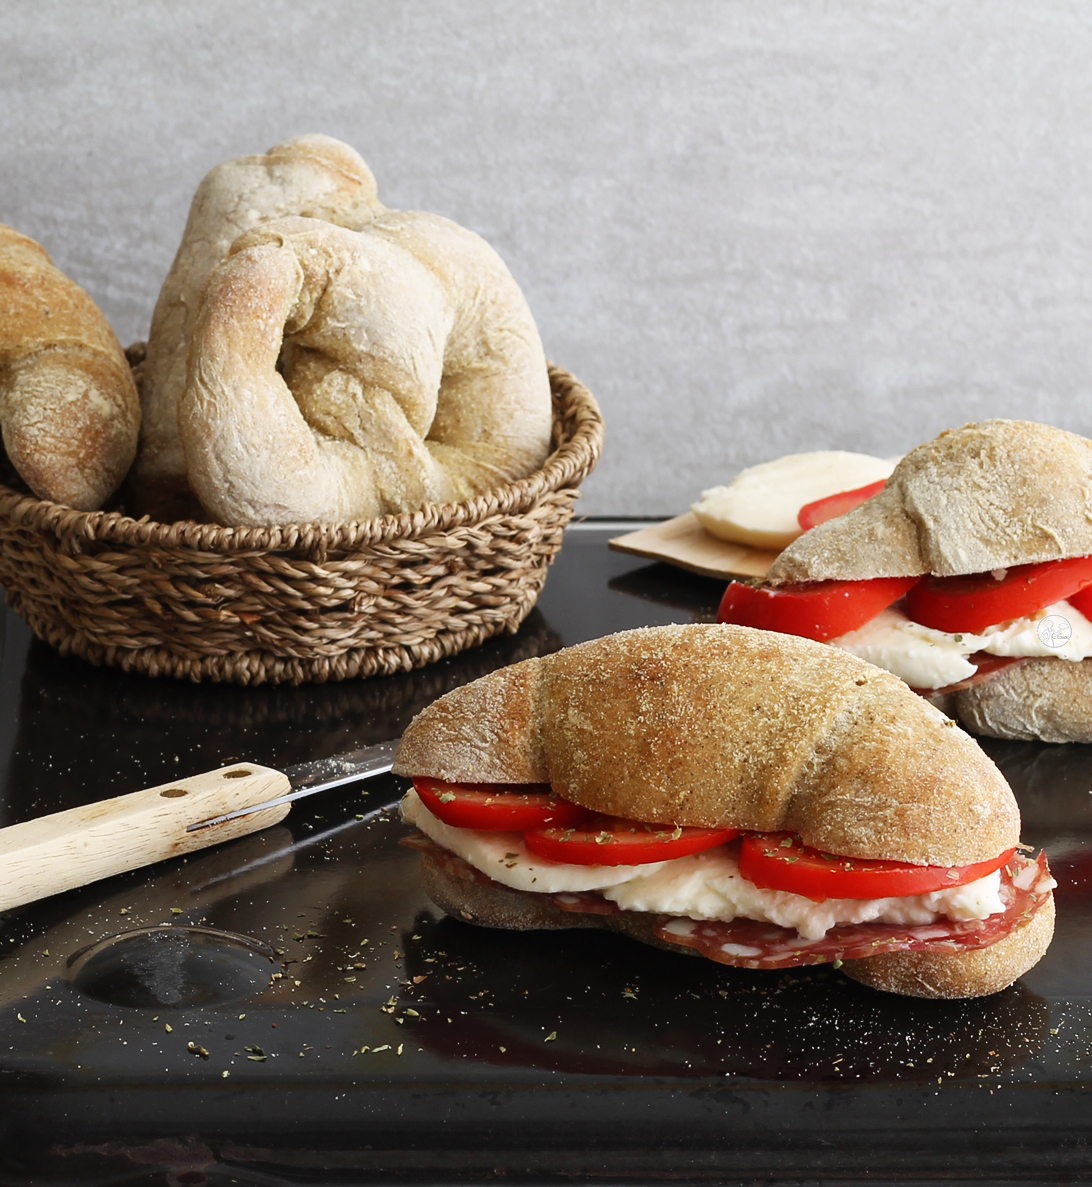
{"points": [[570, 462]]}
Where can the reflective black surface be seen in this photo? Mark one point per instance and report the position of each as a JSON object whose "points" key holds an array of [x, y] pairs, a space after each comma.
{"points": [[289, 1008]]}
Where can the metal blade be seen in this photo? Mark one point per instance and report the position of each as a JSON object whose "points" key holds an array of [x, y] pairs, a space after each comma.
{"points": [[307, 778]]}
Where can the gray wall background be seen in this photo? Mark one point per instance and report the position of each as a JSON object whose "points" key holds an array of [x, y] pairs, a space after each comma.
{"points": [[750, 226]]}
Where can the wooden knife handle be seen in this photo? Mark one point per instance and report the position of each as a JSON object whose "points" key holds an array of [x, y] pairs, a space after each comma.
{"points": [[68, 849]]}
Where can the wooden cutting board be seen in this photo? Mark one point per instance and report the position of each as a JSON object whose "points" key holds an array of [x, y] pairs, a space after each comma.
{"points": [[684, 542]]}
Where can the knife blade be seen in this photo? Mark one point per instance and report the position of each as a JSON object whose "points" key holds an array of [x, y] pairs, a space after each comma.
{"points": [[308, 778], [59, 852]]}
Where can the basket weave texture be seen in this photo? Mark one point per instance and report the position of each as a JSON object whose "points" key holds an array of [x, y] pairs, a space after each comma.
{"points": [[308, 602]]}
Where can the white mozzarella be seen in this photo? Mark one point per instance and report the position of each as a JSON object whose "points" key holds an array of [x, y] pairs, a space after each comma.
{"points": [[927, 658], [759, 506], [704, 886], [924, 658], [709, 886]]}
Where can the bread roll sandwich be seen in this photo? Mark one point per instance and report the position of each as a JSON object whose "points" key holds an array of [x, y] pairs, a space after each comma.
{"points": [[969, 575], [762, 800]]}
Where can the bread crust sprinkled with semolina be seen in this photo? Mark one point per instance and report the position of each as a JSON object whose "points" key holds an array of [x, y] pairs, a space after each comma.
{"points": [[719, 726], [981, 497]]}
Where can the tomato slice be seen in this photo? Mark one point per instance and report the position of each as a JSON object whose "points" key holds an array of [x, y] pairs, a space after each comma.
{"points": [[819, 610], [1081, 601], [980, 600], [781, 861], [831, 506], [614, 841], [497, 806]]}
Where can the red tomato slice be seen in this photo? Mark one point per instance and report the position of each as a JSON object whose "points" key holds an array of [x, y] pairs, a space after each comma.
{"points": [[613, 841], [781, 861], [816, 609], [831, 506], [497, 806], [979, 600], [1081, 601]]}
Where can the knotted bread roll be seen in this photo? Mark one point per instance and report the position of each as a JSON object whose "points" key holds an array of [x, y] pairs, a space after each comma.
{"points": [[314, 175], [338, 375], [69, 410]]}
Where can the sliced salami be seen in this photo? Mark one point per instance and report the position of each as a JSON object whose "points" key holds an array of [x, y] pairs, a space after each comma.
{"points": [[583, 902], [450, 863], [1025, 885]]}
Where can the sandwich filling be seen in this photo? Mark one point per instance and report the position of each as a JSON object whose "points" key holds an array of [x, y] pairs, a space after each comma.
{"points": [[930, 659], [933, 632], [707, 886]]}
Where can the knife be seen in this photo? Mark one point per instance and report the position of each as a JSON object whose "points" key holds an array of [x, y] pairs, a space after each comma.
{"points": [[80, 845]]}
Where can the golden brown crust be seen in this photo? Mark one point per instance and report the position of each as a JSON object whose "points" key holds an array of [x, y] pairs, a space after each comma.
{"points": [[1045, 698], [337, 375], [315, 176], [974, 973], [971, 974], [726, 726], [69, 409], [980, 497]]}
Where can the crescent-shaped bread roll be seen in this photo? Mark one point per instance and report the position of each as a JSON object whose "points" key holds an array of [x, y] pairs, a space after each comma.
{"points": [[336, 375], [723, 726], [315, 176], [977, 498], [69, 409]]}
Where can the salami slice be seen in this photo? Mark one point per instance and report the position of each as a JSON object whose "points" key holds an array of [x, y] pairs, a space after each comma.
{"points": [[1025, 884], [583, 902], [747, 943], [450, 863]]}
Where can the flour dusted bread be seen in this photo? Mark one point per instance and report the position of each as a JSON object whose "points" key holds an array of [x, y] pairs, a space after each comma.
{"points": [[338, 375], [315, 176], [721, 726], [69, 410], [972, 974], [1045, 700], [977, 498], [729, 727]]}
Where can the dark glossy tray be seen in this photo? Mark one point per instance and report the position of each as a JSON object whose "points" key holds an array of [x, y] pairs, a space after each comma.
{"points": [[289, 1008]]}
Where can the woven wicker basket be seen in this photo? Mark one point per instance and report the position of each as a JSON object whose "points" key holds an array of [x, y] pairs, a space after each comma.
{"points": [[309, 602]]}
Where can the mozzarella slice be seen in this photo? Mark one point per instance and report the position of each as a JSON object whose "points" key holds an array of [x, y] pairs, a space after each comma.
{"points": [[759, 506], [927, 658]]}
